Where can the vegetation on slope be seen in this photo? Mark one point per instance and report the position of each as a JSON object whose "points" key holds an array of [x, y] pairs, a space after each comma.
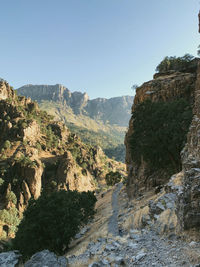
{"points": [[109, 137], [39, 154], [160, 130]]}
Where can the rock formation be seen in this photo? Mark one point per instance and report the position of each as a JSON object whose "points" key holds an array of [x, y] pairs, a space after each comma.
{"points": [[164, 87], [189, 208]]}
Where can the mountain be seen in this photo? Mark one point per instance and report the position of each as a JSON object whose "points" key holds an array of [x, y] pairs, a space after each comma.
{"points": [[98, 122], [39, 154], [115, 110]]}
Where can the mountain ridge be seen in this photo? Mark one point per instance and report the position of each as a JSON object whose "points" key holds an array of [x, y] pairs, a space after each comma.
{"points": [[80, 103]]}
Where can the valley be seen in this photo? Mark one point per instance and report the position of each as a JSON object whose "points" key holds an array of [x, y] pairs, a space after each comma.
{"points": [[102, 182], [98, 121]]}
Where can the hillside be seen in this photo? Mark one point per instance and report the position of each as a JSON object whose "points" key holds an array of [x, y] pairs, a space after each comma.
{"points": [[98, 122], [39, 154]]}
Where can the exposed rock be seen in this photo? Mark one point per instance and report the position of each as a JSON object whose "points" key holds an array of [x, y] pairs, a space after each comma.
{"points": [[189, 207], [9, 259], [5, 90], [31, 132], [46, 258]]}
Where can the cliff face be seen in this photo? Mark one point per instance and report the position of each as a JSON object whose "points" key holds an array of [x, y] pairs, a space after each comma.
{"points": [[189, 208], [39, 154], [163, 88], [114, 110]]}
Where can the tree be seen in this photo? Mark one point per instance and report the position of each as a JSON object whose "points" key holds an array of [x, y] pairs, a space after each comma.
{"points": [[160, 132], [51, 221], [113, 178], [174, 63], [134, 87]]}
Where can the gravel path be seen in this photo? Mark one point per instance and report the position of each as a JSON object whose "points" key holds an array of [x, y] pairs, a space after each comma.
{"points": [[113, 221]]}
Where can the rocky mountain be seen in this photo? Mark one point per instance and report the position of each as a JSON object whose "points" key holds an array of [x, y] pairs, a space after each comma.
{"points": [[39, 154], [115, 110], [99, 121]]}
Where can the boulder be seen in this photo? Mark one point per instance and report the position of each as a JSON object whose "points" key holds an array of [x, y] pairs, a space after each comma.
{"points": [[47, 259], [9, 259]]}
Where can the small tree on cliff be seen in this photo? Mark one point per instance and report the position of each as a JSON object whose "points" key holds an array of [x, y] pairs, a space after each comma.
{"points": [[51, 221], [174, 63]]}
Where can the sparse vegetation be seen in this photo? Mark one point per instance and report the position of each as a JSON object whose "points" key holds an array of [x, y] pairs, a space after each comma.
{"points": [[7, 144]]}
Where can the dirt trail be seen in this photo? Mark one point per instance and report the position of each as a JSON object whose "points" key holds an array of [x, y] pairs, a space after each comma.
{"points": [[113, 221], [103, 245]]}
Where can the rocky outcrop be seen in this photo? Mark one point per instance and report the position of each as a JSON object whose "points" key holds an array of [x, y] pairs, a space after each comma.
{"points": [[10, 259], [189, 207], [46, 258], [114, 110], [5, 90], [164, 87]]}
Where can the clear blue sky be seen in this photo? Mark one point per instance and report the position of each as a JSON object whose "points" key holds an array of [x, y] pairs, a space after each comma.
{"points": [[98, 46]]}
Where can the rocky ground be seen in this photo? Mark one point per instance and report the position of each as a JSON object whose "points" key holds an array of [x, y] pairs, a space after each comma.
{"points": [[126, 246], [112, 239]]}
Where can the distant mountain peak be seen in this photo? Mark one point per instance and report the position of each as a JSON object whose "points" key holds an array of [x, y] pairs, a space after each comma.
{"points": [[116, 110]]}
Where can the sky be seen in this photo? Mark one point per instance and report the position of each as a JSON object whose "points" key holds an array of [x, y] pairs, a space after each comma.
{"points": [[101, 47]]}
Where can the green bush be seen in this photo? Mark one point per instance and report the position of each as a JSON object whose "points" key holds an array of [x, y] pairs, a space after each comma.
{"points": [[1, 181], [11, 197], [25, 161], [113, 178], [51, 221], [7, 144], [160, 132], [174, 63], [11, 218]]}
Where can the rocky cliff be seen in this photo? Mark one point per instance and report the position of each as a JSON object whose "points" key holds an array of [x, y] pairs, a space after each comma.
{"points": [[114, 110], [189, 208], [184, 187], [165, 87], [39, 154]]}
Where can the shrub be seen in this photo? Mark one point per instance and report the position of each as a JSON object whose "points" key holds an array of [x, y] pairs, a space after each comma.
{"points": [[113, 178], [160, 132], [1, 181], [25, 161], [174, 63], [11, 218], [7, 144], [51, 221], [11, 197]]}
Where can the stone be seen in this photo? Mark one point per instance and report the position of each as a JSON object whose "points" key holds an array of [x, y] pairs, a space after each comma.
{"points": [[132, 245], [193, 244], [140, 256], [47, 259], [109, 247], [119, 260], [9, 259]]}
